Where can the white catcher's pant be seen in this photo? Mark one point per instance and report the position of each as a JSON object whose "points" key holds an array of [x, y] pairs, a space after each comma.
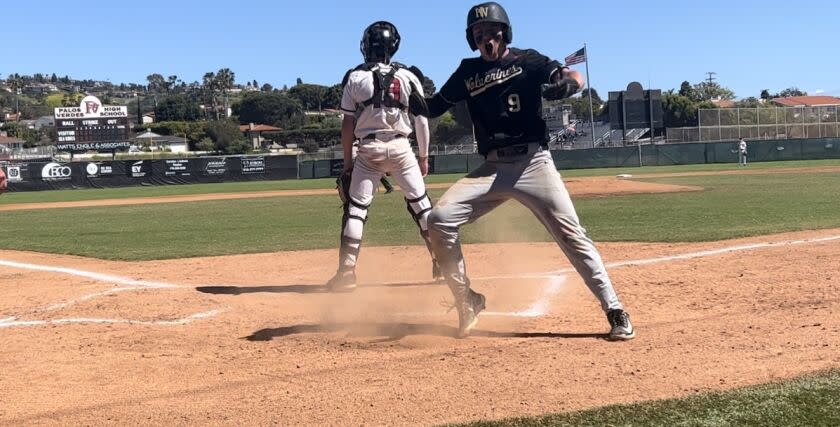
{"points": [[534, 182], [373, 160]]}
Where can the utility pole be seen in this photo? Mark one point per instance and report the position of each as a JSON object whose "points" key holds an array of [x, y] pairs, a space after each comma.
{"points": [[711, 78]]}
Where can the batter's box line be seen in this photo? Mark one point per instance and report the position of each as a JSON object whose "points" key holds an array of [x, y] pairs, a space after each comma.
{"points": [[11, 322], [127, 285]]}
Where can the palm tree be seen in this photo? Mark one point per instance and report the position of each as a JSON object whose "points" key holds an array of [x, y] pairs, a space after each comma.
{"points": [[224, 83], [209, 87]]}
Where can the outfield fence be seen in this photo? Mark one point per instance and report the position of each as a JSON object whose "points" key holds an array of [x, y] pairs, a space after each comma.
{"points": [[51, 175]]}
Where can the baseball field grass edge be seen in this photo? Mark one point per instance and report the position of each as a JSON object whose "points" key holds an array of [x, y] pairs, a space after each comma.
{"points": [[806, 401]]}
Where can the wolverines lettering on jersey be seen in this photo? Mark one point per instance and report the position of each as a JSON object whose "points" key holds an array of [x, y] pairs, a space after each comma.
{"points": [[480, 82], [380, 41], [488, 12]]}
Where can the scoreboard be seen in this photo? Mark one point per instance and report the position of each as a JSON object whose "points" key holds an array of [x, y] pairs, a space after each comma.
{"points": [[92, 127]]}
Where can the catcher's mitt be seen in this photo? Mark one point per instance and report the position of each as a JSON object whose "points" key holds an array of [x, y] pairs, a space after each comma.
{"points": [[342, 185]]}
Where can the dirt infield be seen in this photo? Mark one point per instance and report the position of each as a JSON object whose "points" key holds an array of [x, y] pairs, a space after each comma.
{"points": [[254, 339]]}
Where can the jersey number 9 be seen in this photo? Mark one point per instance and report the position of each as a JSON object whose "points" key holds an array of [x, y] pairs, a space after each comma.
{"points": [[514, 106]]}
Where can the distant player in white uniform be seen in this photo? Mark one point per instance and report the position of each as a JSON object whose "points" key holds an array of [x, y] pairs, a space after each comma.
{"points": [[742, 152], [375, 106]]}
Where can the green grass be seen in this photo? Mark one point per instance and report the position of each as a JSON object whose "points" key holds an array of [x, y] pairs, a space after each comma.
{"points": [[730, 206], [806, 401]]}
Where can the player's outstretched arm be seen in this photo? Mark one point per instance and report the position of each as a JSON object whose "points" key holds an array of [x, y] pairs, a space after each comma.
{"points": [[565, 82]]}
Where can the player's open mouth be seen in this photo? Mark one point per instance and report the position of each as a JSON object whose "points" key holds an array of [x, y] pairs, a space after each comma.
{"points": [[488, 47]]}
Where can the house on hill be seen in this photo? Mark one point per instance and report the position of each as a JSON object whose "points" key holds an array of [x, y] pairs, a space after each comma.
{"points": [[806, 101], [254, 133]]}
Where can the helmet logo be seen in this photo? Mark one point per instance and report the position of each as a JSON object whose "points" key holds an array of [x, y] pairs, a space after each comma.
{"points": [[481, 12]]}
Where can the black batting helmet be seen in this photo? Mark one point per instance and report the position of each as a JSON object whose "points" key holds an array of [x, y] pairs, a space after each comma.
{"points": [[380, 41], [488, 12]]}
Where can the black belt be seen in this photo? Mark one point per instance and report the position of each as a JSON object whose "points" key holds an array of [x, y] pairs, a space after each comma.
{"points": [[382, 136], [514, 151]]}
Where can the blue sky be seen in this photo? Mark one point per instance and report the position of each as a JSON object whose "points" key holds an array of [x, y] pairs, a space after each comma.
{"points": [[750, 45]]}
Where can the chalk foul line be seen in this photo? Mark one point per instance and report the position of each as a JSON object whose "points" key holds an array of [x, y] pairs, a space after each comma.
{"points": [[10, 322], [88, 274]]}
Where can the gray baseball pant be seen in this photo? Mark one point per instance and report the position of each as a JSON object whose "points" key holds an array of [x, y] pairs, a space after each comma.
{"points": [[533, 181]]}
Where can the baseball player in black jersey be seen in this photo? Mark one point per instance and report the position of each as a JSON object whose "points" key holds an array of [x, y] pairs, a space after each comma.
{"points": [[503, 89]]}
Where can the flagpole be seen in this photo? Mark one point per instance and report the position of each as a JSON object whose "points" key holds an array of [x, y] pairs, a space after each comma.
{"points": [[589, 85]]}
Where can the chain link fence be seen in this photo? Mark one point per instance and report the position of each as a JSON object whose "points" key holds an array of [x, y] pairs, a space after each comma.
{"points": [[725, 124]]}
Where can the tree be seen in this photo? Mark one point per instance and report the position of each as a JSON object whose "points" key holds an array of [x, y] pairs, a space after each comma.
{"points": [[157, 84], [791, 91], [209, 90], [224, 83], [227, 137], [332, 96], [53, 78], [680, 111], [447, 130], [580, 106], [765, 94], [266, 88], [299, 81], [751, 102], [273, 108], [311, 96], [707, 91], [177, 108], [688, 91], [171, 83]]}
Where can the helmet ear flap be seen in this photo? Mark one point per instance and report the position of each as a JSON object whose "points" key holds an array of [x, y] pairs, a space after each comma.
{"points": [[508, 34], [470, 40]]}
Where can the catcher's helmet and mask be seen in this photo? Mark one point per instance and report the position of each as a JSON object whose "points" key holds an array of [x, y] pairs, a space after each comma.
{"points": [[380, 41], [488, 12]]}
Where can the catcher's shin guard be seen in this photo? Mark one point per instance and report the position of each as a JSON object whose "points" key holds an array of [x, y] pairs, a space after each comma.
{"points": [[352, 226], [419, 209]]}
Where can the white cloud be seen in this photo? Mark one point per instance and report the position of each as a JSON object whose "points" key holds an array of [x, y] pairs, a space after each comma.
{"points": [[818, 91]]}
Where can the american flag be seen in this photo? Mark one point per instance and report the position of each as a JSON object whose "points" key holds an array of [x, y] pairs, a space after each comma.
{"points": [[577, 57]]}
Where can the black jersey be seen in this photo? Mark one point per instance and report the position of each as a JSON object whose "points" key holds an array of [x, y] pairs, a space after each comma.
{"points": [[504, 97]]}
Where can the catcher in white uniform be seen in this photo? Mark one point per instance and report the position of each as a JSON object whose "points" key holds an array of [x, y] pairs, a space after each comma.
{"points": [[375, 106]]}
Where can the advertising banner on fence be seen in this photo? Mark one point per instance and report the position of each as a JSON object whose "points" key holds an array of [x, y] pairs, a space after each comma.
{"points": [[214, 166], [177, 167], [95, 170], [253, 165], [15, 173], [139, 168], [56, 172]]}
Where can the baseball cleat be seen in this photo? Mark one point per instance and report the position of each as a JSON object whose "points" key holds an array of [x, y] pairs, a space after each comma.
{"points": [[343, 281], [621, 328], [468, 312]]}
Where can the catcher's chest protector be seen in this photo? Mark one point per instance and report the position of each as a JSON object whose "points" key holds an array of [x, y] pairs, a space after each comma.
{"points": [[386, 89]]}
